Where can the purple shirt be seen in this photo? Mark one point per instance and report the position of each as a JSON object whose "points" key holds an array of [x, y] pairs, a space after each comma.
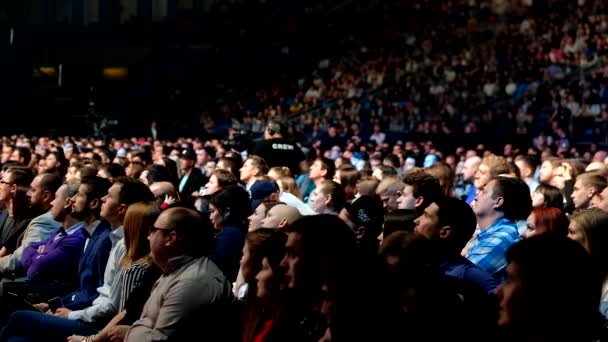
{"points": [[57, 257]]}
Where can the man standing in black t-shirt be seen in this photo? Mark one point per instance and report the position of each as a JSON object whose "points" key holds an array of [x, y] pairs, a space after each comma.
{"points": [[276, 149]]}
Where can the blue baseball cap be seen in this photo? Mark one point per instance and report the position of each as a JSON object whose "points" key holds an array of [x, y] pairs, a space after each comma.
{"points": [[260, 190]]}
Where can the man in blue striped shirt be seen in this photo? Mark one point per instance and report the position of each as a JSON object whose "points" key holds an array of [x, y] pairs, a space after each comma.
{"points": [[495, 205]]}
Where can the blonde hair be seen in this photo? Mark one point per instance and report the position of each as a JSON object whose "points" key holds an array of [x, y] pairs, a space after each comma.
{"points": [[288, 184], [497, 165], [391, 184], [140, 217], [281, 171]]}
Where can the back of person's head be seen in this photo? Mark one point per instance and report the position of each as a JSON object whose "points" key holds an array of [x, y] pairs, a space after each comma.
{"points": [[234, 204], [139, 219], [233, 164], [279, 172], [550, 221], [497, 165], [276, 127], [349, 177], [552, 196], [113, 170], [387, 171], [87, 171], [513, 171], [132, 191], [409, 256], [327, 250], [171, 166], [399, 220], [546, 267], [423, 185], [444, 175], [461, 219], [517, 203], [225, 178], [158, 173], [289, 185], [367, 186], [50, 182]]}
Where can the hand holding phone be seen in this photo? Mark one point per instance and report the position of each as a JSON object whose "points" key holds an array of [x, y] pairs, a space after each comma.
{"points": [[55, 303]]}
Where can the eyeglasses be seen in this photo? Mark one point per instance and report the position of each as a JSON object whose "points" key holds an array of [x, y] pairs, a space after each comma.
{"points": [[153, 229]]}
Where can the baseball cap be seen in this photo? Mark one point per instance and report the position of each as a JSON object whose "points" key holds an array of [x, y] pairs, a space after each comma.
{"points": [[188, 154], [366, 211], [260, 190]]}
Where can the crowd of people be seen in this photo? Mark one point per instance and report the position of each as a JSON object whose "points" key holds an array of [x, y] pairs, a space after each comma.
{"points": [[414, 190], [143, 239]]}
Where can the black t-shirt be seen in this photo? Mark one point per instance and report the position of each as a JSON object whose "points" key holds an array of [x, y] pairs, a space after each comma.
{"points": [[279, 152]]}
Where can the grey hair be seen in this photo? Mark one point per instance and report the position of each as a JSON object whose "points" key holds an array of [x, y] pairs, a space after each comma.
{"points": [[71, 188]]}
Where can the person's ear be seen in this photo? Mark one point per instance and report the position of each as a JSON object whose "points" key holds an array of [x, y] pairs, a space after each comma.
{"points": [[419, 201], [327, 200], [47, 196], [122, 210], [499, 202], [95, 203], [445, 232], [283, 224], [274, 196], [360, 232], [591, 192]]}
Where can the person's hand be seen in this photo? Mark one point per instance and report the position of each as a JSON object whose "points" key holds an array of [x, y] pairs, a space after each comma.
{"points": [[117, 333], [41, 306], [62, 312], [567, 171], [169, 200], [75, 338]]}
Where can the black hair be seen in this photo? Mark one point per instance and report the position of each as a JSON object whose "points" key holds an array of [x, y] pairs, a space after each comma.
{"points": [[234, 204], [133, 191], [549, 267], [399, 220], [459, 216], [425, 186], [517, 203], [158, 173]]}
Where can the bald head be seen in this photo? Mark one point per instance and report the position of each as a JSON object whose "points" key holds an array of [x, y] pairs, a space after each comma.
{"points": [[596, 166], [192, 235], [162, 189], [470, 168], [280, 216]]}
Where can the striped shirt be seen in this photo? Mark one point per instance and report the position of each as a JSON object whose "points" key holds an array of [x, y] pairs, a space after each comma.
{"points": [[131, 280], [488, 249]]}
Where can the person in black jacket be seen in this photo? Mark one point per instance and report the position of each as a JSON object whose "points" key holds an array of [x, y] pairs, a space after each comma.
{"points": [[192, 179], [276, 149]]}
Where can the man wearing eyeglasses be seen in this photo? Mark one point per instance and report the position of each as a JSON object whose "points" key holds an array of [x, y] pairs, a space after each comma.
{"points": [[193, 294]]}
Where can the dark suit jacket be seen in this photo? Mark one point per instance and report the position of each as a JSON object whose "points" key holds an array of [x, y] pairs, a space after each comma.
{"points": [[194, 182], [91, 268]]}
